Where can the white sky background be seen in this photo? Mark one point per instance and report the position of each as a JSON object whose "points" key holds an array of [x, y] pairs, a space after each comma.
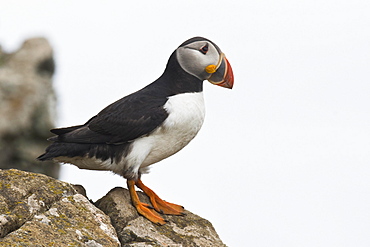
{"points": [[283, 158]]}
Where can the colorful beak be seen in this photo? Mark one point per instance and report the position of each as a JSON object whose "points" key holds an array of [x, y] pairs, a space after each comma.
{"points": [[223, 75]]}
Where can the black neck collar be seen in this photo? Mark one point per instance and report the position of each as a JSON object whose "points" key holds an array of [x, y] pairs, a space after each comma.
{"points": [[175, 80]]}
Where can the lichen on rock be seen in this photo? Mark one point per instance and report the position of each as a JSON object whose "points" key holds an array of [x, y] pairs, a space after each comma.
{"points": [[37, 210], [135, 230]]}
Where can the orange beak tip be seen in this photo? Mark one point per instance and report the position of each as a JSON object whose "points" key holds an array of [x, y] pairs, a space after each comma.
{"points": [[228, 80]]}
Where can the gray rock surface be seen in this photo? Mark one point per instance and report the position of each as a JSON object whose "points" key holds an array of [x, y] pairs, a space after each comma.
{"points": [[37, 210], [134, 230], [27, 106]]}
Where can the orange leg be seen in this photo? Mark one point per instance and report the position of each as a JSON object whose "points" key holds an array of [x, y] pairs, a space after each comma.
{"points": [[143, 208], [158, 204]]}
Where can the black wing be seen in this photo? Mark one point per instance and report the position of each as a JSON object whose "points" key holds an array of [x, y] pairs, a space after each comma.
{"points": [[133, 116]]}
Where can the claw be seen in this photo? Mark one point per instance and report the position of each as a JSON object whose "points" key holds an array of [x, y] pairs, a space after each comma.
{"points": [[147, 205]]}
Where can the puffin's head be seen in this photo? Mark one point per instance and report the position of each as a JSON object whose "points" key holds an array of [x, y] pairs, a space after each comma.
{"points": [[203, 59]]}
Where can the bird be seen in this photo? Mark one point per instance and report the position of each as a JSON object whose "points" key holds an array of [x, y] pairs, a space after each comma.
{"points": [[148, 125]]}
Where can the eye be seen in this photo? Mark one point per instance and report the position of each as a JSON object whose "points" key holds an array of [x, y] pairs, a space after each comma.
{"points": [[204, 49]]}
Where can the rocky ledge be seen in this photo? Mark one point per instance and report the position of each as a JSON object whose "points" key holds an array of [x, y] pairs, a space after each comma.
{"points": [[37, 210]]}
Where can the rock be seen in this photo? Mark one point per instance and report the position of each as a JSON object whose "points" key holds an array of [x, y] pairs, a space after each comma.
{"points": [[135, 230], [37, 210], [27, 106]]}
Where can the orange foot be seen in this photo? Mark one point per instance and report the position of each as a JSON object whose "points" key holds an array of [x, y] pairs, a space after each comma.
{"points": [[158, 204]]}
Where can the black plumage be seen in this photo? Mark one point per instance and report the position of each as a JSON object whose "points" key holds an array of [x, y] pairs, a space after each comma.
{"points": [[108, 134], [149, 125]]}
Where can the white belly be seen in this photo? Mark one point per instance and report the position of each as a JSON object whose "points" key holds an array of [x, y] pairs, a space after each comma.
{"points": [[186, 116]]}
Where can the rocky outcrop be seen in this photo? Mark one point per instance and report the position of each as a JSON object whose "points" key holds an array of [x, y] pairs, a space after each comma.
{"points": [[27, 106], [134, 230], [37, 210]]}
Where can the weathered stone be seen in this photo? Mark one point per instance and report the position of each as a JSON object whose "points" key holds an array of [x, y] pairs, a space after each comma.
{"points": [[36, 210], [27, 106], [135, 230]]}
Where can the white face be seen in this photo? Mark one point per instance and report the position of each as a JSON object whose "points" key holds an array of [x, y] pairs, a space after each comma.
{"points": [[195, 57]]}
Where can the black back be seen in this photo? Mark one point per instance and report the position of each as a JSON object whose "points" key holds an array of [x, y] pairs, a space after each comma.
{"points": [[131, 117]]}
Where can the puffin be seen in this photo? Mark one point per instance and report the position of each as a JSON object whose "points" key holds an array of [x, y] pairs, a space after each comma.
{"points": [[148, 125]]}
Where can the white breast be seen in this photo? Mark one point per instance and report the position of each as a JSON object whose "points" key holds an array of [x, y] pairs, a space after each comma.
{"points": [[186, 116]]}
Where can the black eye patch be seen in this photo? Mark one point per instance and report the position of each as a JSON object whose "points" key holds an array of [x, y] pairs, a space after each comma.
{"points": [[204, 49]]}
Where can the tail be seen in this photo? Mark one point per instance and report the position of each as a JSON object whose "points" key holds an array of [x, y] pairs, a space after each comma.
{"points": [[44, 157], [53, 150], [99, 151], [58, 149], [79, 141]]}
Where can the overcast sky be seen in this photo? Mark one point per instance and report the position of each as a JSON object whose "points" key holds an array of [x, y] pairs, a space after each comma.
{"points": [[283, 159]]}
